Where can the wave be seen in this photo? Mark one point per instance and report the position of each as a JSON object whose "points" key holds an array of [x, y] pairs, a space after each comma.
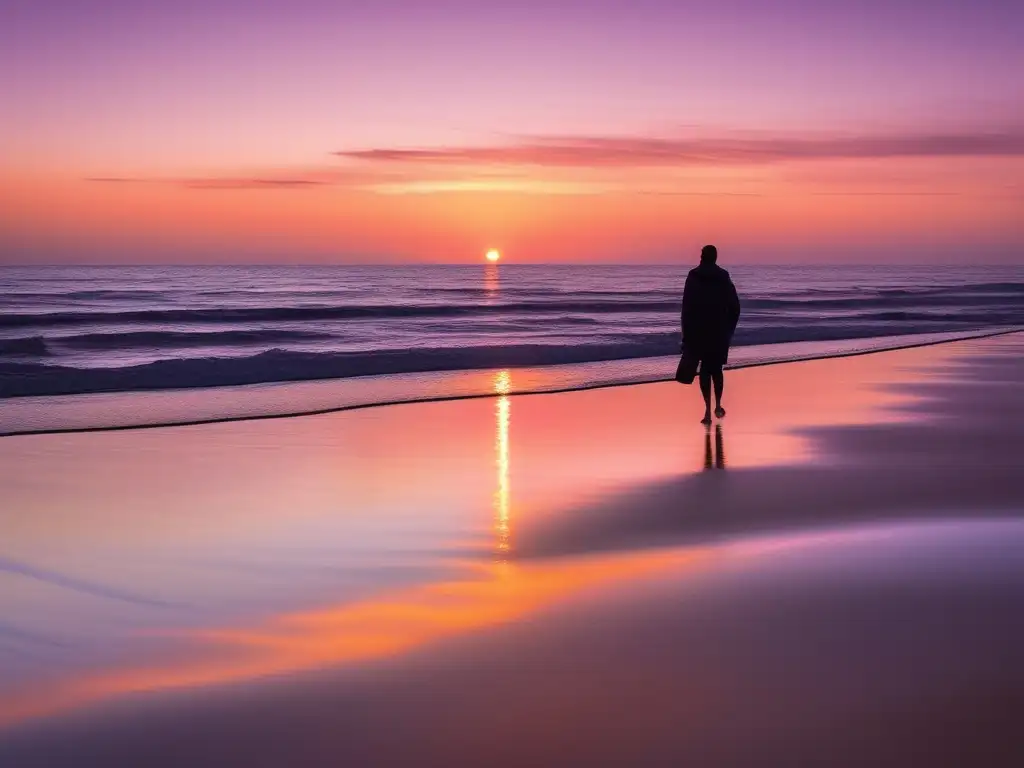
{"points": [[90, 295], [898, 321], [545, 303], [881, 302], [1001, 287], [271, 314], [34, 346], [22, 379], [276, 365], [951, 318], [177, 339], [769, 330]]}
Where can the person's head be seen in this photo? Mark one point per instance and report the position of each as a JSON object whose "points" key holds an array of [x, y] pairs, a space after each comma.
{"points": [[708, 254]]}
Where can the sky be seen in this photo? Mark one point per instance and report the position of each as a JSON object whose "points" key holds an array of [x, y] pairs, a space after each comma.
{"points": [[405, 131]]}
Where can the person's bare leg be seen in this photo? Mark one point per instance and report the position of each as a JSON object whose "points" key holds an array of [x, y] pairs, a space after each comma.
{"points": [[719, 379], [705, 390]]}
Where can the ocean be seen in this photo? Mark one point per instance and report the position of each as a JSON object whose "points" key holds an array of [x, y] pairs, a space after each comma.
{"points": [[368, 334]]}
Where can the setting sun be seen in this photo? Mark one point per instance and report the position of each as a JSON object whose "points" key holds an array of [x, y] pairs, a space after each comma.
{"points": [[493, 254]]}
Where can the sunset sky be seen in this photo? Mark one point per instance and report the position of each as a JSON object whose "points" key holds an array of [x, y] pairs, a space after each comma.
{"points": [[390, 131]]}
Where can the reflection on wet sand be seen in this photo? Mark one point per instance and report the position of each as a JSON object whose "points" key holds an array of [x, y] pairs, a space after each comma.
{"points": [[503, 411], [716, 459]]}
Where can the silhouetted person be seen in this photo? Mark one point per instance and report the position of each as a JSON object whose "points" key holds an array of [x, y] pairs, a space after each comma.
{"points": [[711, 310]]}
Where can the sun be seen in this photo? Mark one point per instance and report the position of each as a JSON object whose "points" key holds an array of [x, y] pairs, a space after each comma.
{"points": [[493, 255]]}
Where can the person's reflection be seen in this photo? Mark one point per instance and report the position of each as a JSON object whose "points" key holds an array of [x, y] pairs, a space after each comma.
{"points": [[715, 459], [503, 413]]}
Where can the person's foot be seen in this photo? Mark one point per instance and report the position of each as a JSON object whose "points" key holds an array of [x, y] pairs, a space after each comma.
{"points": [[720, 412], [706, 421]]}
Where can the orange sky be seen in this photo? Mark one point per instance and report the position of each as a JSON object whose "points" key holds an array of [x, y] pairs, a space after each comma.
{"points": [[963, 209]]}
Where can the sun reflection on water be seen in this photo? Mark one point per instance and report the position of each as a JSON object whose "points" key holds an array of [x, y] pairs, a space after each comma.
{"points": [[492, 281]]}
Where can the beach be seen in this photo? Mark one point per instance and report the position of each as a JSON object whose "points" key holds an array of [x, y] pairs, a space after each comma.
{"points": [[833, 574]]}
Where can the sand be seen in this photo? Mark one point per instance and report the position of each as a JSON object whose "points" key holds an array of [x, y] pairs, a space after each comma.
{"points": [[583, 578]]}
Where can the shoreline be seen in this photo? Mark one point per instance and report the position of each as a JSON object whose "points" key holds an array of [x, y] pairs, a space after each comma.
{"points": [[445, 398]]}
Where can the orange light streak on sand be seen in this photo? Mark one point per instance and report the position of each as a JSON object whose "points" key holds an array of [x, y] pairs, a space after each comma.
{"points": [[500, 593]]}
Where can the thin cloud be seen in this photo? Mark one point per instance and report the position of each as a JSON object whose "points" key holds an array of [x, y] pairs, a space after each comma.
{"points": [[883, 193], [351, 176], [389, 180], [638, 152], [672, 193], [215, 182], [603, 165]]}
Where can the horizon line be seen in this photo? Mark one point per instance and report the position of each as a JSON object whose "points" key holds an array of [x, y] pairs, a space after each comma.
{"points": [[491, 265]]}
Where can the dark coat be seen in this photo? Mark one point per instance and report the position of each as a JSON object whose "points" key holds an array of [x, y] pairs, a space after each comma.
{"points": [[711, 310]]}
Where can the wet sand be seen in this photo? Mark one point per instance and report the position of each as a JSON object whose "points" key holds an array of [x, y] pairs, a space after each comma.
{"points": [[585, 578]]}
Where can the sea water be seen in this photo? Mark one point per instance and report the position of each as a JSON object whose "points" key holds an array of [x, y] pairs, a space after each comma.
{"points": [[185, 340]]}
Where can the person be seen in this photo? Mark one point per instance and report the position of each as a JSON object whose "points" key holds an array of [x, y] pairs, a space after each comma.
{"points": [[711, 310]]}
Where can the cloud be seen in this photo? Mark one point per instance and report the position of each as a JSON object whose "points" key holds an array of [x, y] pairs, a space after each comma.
{"points": [[640, 152], [726, 165], [885, 193], [216, 182], [388, 180]]}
